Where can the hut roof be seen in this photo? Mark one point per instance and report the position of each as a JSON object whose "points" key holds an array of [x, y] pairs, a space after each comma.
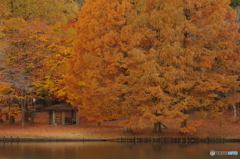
{"points": [[62, 106]]}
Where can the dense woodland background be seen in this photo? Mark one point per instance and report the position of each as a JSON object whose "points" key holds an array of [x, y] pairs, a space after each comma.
{"points": [[142, 61]]}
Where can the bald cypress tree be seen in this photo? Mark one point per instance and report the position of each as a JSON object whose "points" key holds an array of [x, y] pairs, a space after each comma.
{"points": [[159, 61], [97, 58]]}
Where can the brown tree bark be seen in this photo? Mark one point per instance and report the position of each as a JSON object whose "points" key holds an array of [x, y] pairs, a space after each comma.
{"points": [[22, 109], [183, 123], [12, 120], [157, 127], [1, 120]]}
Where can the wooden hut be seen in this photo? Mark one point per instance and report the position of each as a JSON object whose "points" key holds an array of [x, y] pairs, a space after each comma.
{"points": [[63, 114]]}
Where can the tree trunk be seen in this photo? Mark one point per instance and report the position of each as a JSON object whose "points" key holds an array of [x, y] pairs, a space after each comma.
{"points": [[27, 112], [234, 110], [127, 130], [26, 116], [157, 127], [234, 106], [7, 117], [32, 110], [23, 110], [23, 117], [1, 120], [77, 118], [183, 123], [12, 119], [32, 117]]}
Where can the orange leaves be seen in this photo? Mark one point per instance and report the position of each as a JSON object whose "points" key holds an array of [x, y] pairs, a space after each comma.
{"points": [[6, 92], [14, 24], [34, 48], [205, 86], [49, 11], [96, 59], [4, 88], [167, 57], [12, 111], [191, 127], [28, 44]]}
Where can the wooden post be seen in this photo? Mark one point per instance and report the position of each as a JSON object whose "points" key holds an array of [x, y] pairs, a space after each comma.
{"points": [[53, 121], [49, 116], [63, 117], [77, 117]]}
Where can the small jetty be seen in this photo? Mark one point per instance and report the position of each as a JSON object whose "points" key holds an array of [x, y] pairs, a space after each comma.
{"points": [[128, 139]]}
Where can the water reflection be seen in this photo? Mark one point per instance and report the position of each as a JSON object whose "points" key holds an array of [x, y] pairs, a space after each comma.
{"points": [[108, 150]]}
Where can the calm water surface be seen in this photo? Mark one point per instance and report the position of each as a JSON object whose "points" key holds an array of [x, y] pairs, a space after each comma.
{"points": [[108, 150]]}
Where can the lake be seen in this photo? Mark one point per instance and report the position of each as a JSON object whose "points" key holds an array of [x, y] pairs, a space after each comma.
{"points": [[112, 150]]}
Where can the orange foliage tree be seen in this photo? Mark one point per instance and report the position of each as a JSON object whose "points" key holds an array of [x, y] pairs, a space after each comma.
{"points": [[156, 62], [95, 62], [7, 107], [194, 65], [212, 39], [33, 45], [26, 46], [50, 11]]}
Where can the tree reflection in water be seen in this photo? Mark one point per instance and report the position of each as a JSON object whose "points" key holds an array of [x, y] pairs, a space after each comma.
{"points": [[111, 150]]}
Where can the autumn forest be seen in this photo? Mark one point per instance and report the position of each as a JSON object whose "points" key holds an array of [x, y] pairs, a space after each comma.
{"points": [[141, 61]]}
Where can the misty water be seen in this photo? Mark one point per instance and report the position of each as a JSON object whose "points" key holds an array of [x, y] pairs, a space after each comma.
{"points": [[111, 150]]}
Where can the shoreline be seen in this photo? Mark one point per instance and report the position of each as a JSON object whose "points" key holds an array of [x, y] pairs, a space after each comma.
{"points": [[127, 139], [209, 131]]}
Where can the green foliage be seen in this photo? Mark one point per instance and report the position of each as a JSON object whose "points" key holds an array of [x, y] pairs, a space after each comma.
{"points": [[234, 3]]}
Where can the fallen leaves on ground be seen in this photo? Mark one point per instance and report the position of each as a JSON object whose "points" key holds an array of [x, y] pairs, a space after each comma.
{"points": [[109, 129]]}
